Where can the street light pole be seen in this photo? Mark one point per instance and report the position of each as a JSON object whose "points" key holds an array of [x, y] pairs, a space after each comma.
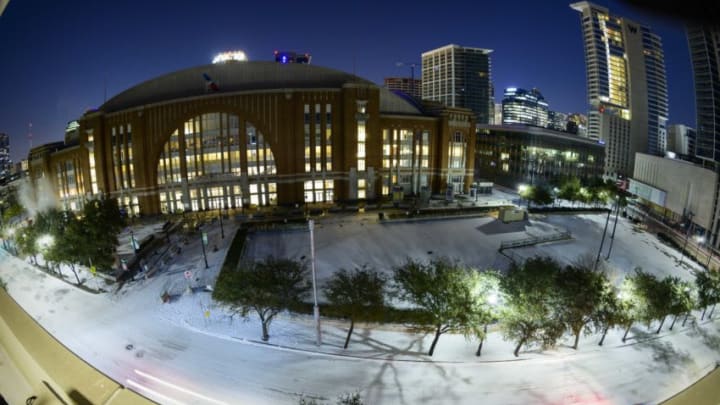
{"points": [[612, 236], [316, 308], [203, 238], [687, 235], [602, 242]]}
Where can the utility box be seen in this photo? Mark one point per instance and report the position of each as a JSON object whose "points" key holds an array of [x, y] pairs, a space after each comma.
{"points": [[510, 214]]}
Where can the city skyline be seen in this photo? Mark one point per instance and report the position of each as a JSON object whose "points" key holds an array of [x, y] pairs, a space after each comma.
{"points": [[100, 51]]}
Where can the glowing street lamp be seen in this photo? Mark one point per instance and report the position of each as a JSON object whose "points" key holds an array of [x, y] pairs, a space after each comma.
{"points": [[45, 241]]}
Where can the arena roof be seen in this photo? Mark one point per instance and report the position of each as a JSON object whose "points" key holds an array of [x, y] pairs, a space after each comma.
{"points": [[243, 76]]}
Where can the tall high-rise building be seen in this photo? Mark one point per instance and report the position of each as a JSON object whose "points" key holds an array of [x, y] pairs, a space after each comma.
{"points": [[626, 87], [704, 44], [5, 162], [411, 87], [459, 76], [520, 106]]}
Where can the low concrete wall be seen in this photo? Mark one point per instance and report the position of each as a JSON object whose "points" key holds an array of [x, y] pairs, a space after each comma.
{"points": [[55, 374], [704, 392]]}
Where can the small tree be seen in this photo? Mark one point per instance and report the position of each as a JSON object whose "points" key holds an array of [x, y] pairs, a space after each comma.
{"points": [[570, 189], [579, 298], [610, 311], [357, 295], [264, 287], [528, 315], [660, 295], [682, 300], [489, 300], [542, 196], [442, 291], [708, 290]]}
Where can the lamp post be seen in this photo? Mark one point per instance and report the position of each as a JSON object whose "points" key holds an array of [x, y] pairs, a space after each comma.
{"points": [[602, 241], [316, 308], [612, 235], [687, 235], [203, 242]]}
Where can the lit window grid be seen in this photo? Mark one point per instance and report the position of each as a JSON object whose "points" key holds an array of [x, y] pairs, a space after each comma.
{"points": [[218, 153]]}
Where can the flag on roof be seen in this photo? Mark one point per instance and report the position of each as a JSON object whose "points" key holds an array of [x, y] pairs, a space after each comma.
{"points": [[211, 85]]}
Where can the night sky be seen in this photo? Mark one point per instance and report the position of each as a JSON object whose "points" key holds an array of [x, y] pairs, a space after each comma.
{"points": [[60, 58]]}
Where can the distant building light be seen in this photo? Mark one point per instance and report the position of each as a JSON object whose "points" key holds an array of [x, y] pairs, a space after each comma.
{"points": [[230, 56], [291, 57]]}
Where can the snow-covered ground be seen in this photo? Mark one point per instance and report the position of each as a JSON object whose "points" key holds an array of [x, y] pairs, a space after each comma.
{"points": [[191, 351]]}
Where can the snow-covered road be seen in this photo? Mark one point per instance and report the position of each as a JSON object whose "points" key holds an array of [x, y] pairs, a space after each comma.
{"points": [[172, 353]]}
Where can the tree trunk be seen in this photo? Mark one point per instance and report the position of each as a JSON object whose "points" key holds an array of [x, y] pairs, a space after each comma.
{"points": [[711, 311], [661, 324], [479, 349], [517, 348], [703, 314], [577, 338], [437, 336], [265, 335], [673, 322], [687, 314], [626, 333], [72, 267], [602, 339], [347, 339]]}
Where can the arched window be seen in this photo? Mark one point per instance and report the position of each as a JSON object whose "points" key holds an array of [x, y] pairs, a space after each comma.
{"points": [[203, 163]]}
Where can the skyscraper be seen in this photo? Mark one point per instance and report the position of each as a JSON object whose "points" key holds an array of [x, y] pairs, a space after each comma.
{"points": [[459, 76], [704, 44], [520, 106], [626, 86], [5, 162]]}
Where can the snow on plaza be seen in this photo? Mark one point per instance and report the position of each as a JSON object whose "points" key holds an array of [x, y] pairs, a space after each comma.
{"points": [[191, 351]]}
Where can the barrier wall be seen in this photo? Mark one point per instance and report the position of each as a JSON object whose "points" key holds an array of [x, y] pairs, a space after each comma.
{"points": [[55, 374]]}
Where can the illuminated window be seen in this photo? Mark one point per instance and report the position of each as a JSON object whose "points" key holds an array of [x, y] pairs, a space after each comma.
{"points": [[210, 146]]}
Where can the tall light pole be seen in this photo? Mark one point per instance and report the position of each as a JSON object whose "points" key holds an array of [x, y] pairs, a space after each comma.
{"points": [[612, 235], [316, 308], [602, 242], [687, 235]]}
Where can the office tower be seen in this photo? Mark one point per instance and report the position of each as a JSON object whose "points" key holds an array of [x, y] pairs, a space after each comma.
{"points": [[626, 87], [520, 106], [411, 87], [459, 76], [704, 44], [681, 139], [5, 162]]}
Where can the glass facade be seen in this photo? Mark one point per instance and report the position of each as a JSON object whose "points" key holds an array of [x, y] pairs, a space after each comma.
{"points": [[626, 79], [513, 157], [459, 77], [123, 167], [520, 106], [205, 163], [406, 160], [318, 153]]}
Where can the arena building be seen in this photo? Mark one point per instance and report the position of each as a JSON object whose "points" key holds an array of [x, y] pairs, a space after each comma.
{"points": [[241, 134]]}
